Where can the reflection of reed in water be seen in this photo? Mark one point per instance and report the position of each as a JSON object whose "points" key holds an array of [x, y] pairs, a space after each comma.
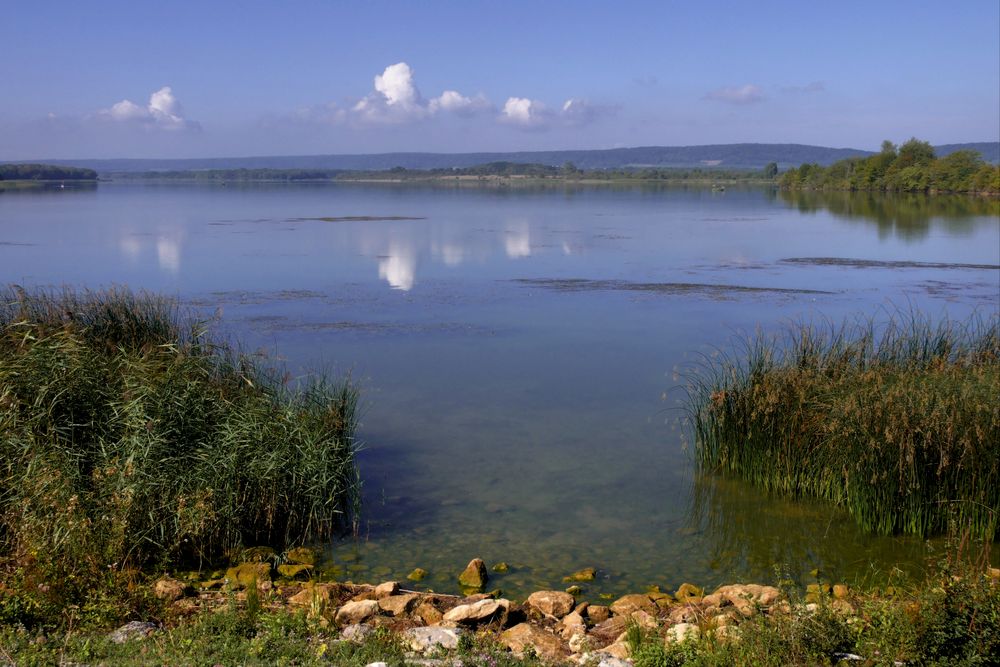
{"points": [[907, 216]]}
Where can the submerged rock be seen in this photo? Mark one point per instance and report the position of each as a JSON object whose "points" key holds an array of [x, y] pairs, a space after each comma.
{"points": [[301, 556], [418, 574], [291, 571], [501, 567], [474, 575], [586, 574]]}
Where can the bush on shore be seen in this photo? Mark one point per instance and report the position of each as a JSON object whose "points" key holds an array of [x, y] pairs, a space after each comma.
{"points": [[130, 440]]}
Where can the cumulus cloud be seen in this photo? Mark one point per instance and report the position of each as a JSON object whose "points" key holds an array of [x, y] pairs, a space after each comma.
{"points": [[524, 112], [746, 94], [812, 87], [163, 111], [454, 102], [396, 99]]}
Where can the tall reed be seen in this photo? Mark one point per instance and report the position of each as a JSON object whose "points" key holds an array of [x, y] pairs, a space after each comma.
{"points": [[129, 438], [898, 422]]}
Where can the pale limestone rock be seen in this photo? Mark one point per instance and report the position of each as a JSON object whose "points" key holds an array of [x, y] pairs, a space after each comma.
{"points": [[682, 631], [477, 612], [424, 640], [626, 604], [546, 645], [386, 589], [356, 612], [552, 603], [398, 605]]}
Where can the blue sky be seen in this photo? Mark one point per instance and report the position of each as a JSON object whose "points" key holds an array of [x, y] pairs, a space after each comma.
{"points": [[196, 79]]}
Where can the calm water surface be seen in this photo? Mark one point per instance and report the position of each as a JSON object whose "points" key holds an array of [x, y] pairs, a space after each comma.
{"points": [[521, 352]]}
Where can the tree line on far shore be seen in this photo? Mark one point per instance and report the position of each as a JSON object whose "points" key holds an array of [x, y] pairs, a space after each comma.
{"points": [[911, 167], [45, 172]]}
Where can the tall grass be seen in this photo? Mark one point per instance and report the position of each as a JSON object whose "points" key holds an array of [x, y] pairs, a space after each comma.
{"points": [[897, 422], [129, 439]]}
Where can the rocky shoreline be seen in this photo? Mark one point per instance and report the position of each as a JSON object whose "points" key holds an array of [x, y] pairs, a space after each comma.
{"points": [[553, 625]]}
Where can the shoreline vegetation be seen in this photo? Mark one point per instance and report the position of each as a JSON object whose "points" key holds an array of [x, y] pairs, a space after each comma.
{"points": [[897, 422], [911, 167]]}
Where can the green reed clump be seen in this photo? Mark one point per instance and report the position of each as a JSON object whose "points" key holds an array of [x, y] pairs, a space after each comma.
{"points": [[898, 423], [129, 439]]}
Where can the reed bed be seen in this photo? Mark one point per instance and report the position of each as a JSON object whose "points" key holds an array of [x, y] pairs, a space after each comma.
{"points": [[130, 439], [898, 422]]}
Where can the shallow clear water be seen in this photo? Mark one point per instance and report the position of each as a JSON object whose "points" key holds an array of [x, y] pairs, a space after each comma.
{"points": [[521, 351]]}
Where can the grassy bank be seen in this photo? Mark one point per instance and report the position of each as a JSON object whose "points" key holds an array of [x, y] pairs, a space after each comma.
{"points": [[899, 423], [129, 439]]}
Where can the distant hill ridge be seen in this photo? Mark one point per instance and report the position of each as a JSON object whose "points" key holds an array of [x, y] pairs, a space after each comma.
{"points": [[740, 156]]}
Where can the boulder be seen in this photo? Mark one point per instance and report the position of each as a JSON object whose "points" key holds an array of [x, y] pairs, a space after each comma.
{"points": [[545, 644], [689, 593], [398, 605], [598, 613], [551, 603], [841, 592], [586, 574], [291, 570], [386, 589], [608, 631], [474, 575], [477, 612], [424, 640], [356, 612], [301, 556], [356, 632], [428, 613], [627, 604], [169, 589], [248, 574]]}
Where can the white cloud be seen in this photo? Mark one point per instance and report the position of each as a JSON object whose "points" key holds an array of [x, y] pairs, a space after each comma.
{"points": [[524, 112], [163, 111], [454, 102], [396, 99], [746, 94]]}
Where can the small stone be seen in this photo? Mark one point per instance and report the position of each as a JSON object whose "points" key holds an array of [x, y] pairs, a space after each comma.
{"points": [[398, 605], [586, 574], [356, 632], [501, 567], [424, 640], [301, 555], [546, 645], [644, 620], [551, 603], [169, 589], [418, 574], [689, 593], [386, 589], [474, 575], [248, 574], [477, 612], [133, 630], [627, 604], [598, 613], [356, 612], [572, 624], [618, 650], [291, 571], [682, 632], [841, 592], [574, 590], [608, 630]]}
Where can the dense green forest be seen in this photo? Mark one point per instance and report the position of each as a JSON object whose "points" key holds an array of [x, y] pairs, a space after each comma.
{"points": [[912, 167], [44, 172]]}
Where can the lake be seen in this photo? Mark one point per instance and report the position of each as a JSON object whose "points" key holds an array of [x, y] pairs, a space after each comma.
{"points": [[522, 351]]}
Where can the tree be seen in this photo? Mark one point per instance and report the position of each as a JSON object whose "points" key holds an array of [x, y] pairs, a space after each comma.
{"points": [[771, 170]]}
